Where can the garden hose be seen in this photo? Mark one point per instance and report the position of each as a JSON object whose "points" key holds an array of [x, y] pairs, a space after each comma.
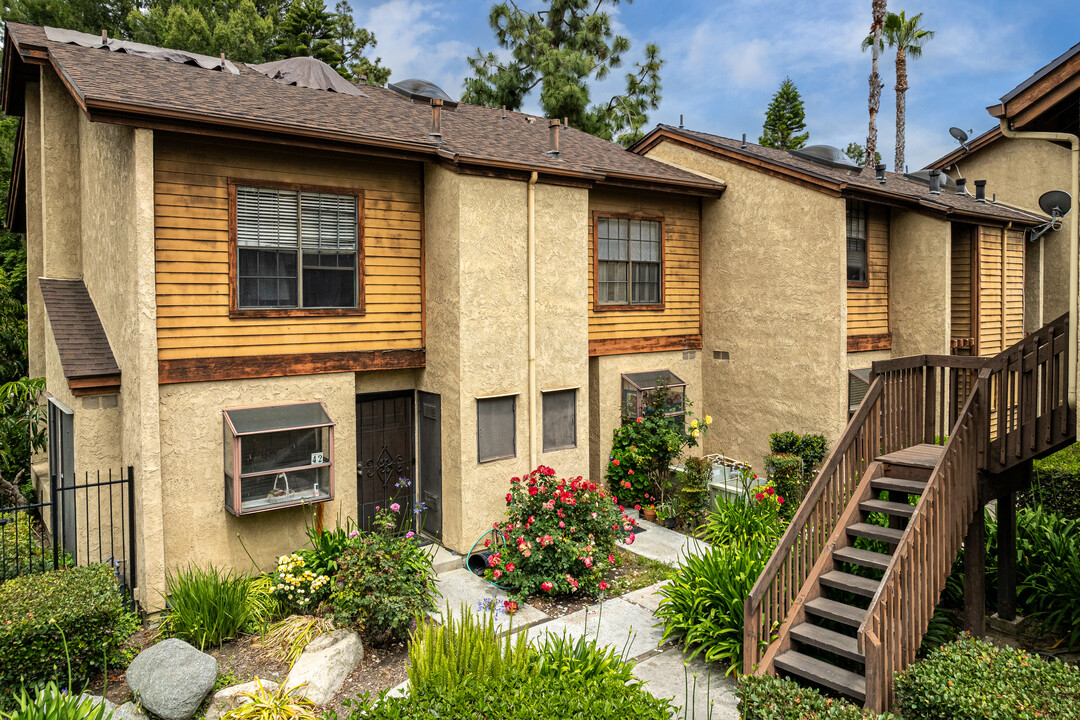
{"points": [[498, 541]]}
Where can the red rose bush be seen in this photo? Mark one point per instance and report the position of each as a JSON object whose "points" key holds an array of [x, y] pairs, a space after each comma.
{"points": [[558, 538]]}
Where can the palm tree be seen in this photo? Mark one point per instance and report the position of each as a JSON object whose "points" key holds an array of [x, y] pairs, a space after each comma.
{"points": [[875, 78], [908, 38]]}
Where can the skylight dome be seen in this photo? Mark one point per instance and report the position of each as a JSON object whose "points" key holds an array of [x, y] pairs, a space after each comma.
{"points": [[826, 155]]}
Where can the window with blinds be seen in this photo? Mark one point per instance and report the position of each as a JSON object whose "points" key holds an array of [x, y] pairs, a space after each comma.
{"points": [[496, 428], [629, 263], [296, 249], [857, 270]]}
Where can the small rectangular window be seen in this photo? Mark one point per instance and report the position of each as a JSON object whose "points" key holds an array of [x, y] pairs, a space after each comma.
{"points": [[629, 262], [496, 428], [560, 420], [856, 242]]}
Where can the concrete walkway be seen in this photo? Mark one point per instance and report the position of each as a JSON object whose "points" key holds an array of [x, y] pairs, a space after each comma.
{"points": [[666, 546]]}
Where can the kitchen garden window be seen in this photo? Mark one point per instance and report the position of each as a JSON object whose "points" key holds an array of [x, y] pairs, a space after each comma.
{"points": [[297, 250], [629, 263], [277, 456]]}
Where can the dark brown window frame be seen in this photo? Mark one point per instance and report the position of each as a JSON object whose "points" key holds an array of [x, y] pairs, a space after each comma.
{"points": [[866, 242], [235, 311], [629, 304]]}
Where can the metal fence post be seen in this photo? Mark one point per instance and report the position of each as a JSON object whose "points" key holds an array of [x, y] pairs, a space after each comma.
{"points": [[53, 511], [131, 529]]}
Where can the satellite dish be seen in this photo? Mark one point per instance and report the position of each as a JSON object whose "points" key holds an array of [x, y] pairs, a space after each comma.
{"points": [[1055, 203], [960, 136]]}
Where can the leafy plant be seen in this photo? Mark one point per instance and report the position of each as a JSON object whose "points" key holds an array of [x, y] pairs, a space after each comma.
{"points": [[296, 586], [749, 518], [384, 583], [767, 697], [287, 638], [51, 703], [60, 622], [972, 679], [694, 488], [785, 473], [283, 703], [24, 547], [561, 655], [1055, 484], [557, 537], [205, 607], [810, 448], [22, 423], [263, 607], [327, 546]]}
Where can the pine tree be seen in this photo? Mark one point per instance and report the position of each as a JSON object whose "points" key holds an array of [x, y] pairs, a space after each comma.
{"points": [[857, 153], [308, 30], [785, 119]]}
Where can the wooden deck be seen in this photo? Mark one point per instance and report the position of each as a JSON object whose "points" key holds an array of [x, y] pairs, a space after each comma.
{"points": [[921, 456]]}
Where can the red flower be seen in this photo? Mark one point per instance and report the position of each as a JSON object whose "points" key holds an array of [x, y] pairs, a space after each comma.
{"points": [[630, 539], [494, 559], [508, 498], [573, 583], [637, 507], [615, 462], [509, 567], [497, 573], [487, 543], [641, 420], [603, 585], [531, 520], [759, 497], [630, 471], [780, 500], [511, 606], [770, 491], [534, 490], [611, 559], [546, 586]]}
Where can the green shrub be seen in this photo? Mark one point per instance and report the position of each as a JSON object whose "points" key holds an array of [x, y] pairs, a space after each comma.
{"points": [[785, 473], [694, 489], [23, 549], [384, 582], [561, 655], [767, 697], [811, 448], [1056, 484], [1048, 581], [81, 605], [751, 518], [50, 703], [206, 607], [971, 679]]}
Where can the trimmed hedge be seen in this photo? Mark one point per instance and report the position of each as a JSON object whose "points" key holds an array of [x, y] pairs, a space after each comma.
{"points": [[767, 697], [79, 606], [1056, 484], [973, 680], [787, 475]]}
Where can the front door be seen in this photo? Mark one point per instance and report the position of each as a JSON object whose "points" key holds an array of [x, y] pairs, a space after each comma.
{"points": [[431, 463], [385, 454], [62, 475]]}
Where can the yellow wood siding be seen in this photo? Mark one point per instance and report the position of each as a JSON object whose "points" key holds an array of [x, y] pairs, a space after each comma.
{"points": [[191, 215], [1001, 289], [681, 314], [868, 308], [961, 283]]}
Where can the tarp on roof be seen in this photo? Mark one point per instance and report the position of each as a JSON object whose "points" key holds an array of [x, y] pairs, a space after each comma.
{"points": [[133, 48], [307, 72]]}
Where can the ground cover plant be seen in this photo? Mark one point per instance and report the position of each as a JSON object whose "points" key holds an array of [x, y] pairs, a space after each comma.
{"points": [[206, 606], [51, 703], [1056, 484], [767, 697], [60, 624]]}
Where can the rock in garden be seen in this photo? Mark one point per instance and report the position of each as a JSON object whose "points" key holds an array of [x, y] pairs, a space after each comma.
{"points": [[325, 663], [171, 679], [233, 697], [96, 700], [129, 711]]}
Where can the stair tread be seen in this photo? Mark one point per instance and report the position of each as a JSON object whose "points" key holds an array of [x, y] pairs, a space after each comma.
{"points": [[822, 673], [867, 587], [836, 611], [919, 456], [876, 532], [888, 507], [828, 640], [911, 487], [866, 558]]}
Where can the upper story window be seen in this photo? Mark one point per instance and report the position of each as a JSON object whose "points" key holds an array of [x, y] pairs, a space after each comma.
{"points": [[629, 262], [296, 250], [856, 242]]}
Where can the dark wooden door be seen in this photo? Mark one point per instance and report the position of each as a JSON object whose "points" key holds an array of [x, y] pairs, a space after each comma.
{"points": [[385, 454], [431, 463], [62, 476]]}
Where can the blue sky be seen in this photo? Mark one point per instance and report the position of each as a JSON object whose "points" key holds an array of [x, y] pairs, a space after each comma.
{"points": [[724, 60]]}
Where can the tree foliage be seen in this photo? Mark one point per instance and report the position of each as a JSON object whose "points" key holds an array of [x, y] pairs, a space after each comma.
{"points": [[563, 49], [785, 119], [857, 153]]}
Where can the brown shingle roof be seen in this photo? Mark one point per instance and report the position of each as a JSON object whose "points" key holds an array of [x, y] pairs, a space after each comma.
{"points": [[862, 182], [117, 82], [84, 348]]}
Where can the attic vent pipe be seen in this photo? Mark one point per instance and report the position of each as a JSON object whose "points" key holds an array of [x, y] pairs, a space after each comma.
{"points": [[961, 186], [680, 121], [743, 146], [980, 191], [436, 118], [553, 138], [504, 112], [879, 170], [935, 182]]}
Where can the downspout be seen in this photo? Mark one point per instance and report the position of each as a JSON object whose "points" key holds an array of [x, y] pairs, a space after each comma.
{"points": [[532, 319], [1074, 241]]}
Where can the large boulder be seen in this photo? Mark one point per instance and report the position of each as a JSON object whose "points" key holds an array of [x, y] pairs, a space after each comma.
{"points": [[323, 666], [231, 698], [129, 711], [172, 678]]}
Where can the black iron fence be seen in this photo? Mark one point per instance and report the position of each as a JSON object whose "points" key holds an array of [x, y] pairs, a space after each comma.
{"points": [[84, 520]]}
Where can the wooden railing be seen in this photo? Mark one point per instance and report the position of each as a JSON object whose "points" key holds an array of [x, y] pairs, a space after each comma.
{"points": [[900, 612]]}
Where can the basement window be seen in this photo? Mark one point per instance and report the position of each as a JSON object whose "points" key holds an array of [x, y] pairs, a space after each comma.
{"points": [[277, 456], [636, 387]]}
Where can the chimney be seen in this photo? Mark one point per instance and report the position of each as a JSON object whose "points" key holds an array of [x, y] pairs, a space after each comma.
{"points": [[504, 112], [553, 138], [879, 171], [935, 182], [436, 118], [980, 191], [743, 146], [104, 37], [961, 186]]}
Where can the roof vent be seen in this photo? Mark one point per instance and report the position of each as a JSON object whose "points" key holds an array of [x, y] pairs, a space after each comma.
{"points": [[553, 138], [307, 72], [743, 145], [416, 89], [436, 119], [980, 191], [923, 176], [825, 155], [961, 186], [935, 182], [879, 171]]}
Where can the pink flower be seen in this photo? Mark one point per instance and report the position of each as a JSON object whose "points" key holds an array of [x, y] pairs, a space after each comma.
{"points": [[354, 534], [497, 573], [376, 508], [394, 507], [546, 540], [511, 606], [509, 567], [573, 583], [630, 539], [562, 524], [494, 559], [410, 534], [546, 586], [637, 507], [593, 515], [780, 500], [769, 491], [603, 585], [587, 561], [611, 559], [759, 497]]}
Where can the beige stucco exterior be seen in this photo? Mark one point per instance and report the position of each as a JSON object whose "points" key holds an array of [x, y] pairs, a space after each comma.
{"points": [[919, 298]]}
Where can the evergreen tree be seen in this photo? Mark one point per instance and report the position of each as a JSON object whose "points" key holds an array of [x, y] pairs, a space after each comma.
{"points": [[352, 42], [562, 49], [785, 119], [857, 153], [308, 31], [241, 30]]}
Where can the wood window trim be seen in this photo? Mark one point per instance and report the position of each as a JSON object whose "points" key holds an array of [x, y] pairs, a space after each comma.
{"points": [[858, 284], [865, 343], [236, 312], [628, 306]]}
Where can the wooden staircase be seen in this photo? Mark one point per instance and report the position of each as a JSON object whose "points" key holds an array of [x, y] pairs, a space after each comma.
{"points": [[846, 597]]}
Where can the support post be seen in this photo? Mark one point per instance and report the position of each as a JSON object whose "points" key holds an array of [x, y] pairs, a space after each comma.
{"points": [[975, 575], [1006, 537]]}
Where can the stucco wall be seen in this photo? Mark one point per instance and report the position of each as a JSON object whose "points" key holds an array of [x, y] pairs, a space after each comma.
{"points": [[192, 465], [60, 179], [35, 258], [775, 301], [920, 301], [1019, 171]]}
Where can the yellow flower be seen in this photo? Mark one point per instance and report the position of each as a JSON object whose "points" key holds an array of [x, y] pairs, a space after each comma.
{"points": [[696, 433], [708, 419], [693, 423]]}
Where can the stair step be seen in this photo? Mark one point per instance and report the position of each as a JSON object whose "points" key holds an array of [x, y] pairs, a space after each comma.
{"points": [[827, 640], [888, 507], [911, 487], [876, 532], [842, 681], [866, 558], [839, 580], [837, 612]]}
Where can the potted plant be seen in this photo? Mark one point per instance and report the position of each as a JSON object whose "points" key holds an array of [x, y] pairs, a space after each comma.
{"points": [[649, 512], [665, 514]]}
